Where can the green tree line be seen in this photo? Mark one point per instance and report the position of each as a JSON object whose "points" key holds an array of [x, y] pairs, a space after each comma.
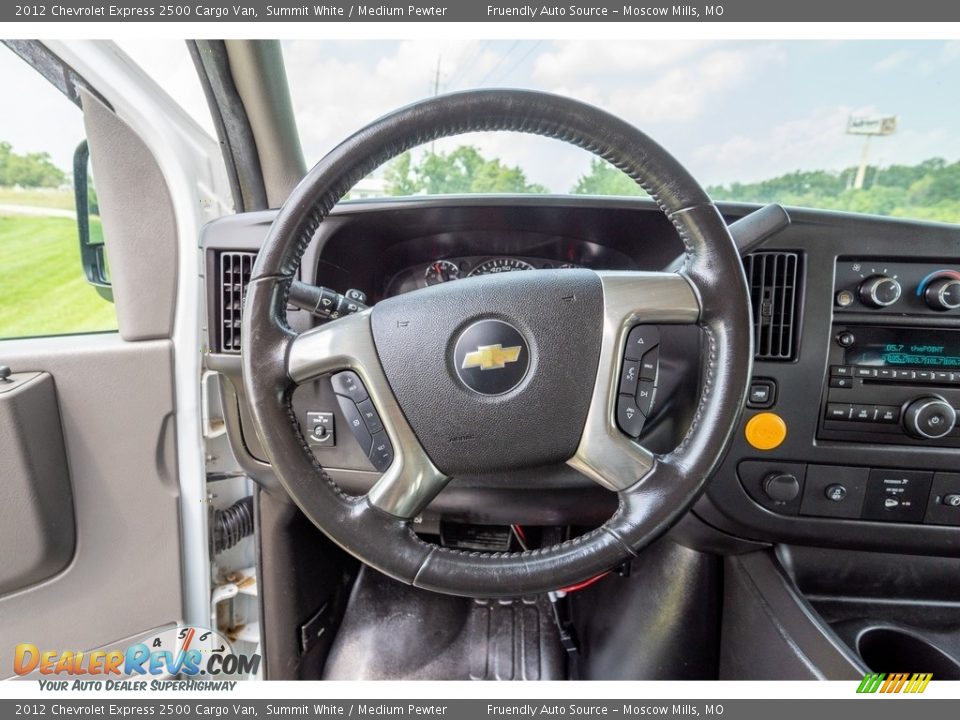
{"points": [[929, 190], [33, 170]]}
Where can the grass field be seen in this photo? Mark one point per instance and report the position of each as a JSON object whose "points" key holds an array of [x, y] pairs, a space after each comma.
{"points": [[40, 197], [42, 287]]}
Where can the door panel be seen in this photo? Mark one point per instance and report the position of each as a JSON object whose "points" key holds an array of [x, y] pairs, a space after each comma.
{"points": [[37, 528], [116, 405]]}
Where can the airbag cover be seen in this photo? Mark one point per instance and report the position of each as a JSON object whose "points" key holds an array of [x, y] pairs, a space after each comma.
{"points": [[494, 372]]}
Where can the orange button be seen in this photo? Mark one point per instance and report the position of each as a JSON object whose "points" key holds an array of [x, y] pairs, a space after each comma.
{"points": [[766, 431]]}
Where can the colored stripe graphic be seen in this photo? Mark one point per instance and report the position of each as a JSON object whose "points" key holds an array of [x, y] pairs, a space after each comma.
{"points": [[870, 682], [895, 683]]}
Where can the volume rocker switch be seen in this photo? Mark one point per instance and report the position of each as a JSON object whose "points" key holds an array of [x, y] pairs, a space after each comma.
{"points": [[381, 454]]}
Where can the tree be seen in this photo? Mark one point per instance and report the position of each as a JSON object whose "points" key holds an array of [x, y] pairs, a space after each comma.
{"points": [[604, 179], [398, 176], [463, 170], [928, 190], [32, 170]]}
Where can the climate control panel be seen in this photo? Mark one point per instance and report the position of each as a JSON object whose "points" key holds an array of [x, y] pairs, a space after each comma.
{"points": [[902, 288]]}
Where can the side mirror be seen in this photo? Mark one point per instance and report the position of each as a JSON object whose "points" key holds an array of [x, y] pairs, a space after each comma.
{"points": [[92, 252]]}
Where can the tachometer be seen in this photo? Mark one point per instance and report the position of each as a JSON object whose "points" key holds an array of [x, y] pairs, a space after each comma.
{"points": [[441, 271], [499, 265]]}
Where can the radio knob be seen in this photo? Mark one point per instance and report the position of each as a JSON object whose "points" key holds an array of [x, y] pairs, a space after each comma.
{"points": [[880, 291], [943, 294], [929, 418]]}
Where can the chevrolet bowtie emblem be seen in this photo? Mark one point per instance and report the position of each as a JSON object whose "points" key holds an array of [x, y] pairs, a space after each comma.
{"points": [[491, 357]]}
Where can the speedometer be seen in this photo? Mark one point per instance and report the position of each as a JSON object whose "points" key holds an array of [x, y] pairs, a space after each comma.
{"points": [[499, 265]]}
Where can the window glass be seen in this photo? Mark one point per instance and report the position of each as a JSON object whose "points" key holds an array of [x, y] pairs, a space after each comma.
{"points": [[43, 288], [861, 126]]}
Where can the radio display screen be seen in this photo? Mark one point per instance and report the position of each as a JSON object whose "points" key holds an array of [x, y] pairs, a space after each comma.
{"points": [[904, 347]]}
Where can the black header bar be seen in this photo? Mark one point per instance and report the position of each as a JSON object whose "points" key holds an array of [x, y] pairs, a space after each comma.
{"points": [[635, 11]]}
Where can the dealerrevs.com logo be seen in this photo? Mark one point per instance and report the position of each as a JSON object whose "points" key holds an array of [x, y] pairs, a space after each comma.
{"points": [[183, 651]]}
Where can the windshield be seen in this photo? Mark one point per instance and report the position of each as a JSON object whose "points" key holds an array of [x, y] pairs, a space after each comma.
{"points": [[864, 126]]}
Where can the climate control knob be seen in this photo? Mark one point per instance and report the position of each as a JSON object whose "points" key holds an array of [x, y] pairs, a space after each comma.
{"points": [[943, 294], [929, 418], [880, 291]]}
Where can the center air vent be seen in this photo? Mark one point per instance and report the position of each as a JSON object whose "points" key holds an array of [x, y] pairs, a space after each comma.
{"points": [[773, 278], [235, 270]]}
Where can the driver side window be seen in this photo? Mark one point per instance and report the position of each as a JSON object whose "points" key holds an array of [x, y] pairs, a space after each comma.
{"points": [[43, 288]]}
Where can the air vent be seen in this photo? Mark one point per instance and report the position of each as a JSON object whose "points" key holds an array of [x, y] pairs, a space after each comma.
{"points": [[235, 270], [774, 291]]}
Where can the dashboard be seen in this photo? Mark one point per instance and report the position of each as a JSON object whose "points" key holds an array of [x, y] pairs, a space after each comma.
{"points": [[857, 339]]}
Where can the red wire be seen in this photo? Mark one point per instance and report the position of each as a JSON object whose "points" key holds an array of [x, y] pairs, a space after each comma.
{"points": [[585, 584], [569, 588]]}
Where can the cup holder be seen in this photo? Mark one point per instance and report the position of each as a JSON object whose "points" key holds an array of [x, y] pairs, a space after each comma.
{"points": [[890, 650]]}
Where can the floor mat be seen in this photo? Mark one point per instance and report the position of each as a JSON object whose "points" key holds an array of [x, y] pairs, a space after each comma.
{"points": [[392, 631]]}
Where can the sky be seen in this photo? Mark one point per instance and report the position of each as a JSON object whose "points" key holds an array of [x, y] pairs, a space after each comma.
{"points": [[729, 110]]}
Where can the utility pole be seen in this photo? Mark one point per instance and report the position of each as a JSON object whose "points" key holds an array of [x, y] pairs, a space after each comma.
{"points": [[436, 91]]}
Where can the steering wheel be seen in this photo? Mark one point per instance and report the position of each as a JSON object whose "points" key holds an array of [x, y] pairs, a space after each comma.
{"points": [[499, 372]]}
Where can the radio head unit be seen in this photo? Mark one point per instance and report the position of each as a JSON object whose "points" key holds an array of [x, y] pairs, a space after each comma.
{"points": [[895, 385]]}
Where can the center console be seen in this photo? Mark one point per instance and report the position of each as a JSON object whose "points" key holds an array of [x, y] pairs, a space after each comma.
{"points": [[869, 404], [892, 378]]}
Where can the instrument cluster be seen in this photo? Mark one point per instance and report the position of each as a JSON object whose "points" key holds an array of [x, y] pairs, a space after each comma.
{"points": [[450, 269]]}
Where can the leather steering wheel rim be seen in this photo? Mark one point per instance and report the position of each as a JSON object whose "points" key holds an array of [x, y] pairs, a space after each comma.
{"points": [[648, 505]]}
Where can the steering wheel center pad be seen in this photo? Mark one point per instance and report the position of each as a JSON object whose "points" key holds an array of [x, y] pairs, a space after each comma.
{"points": [[557, 316]]}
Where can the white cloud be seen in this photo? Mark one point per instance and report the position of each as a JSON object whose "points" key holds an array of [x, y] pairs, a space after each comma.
{"points": [[598, 59], [336, 93], [892, 61], [667, 82]]}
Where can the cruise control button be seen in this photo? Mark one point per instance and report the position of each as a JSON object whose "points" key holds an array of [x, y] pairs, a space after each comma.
{"points": [[641, 339], [629, 375], [370, 416], [349, 384], [650, 364], [629, 417], [381, 452], [355, 422], [645, 391]]}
